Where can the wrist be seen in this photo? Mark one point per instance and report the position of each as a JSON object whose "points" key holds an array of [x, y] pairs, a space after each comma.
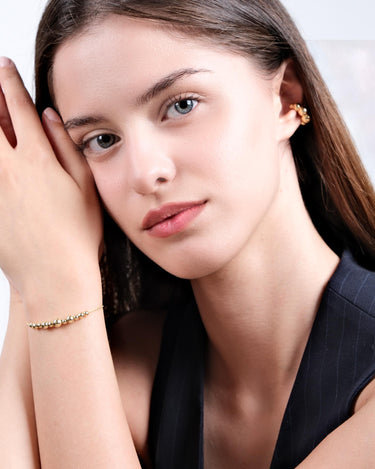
{"points": [[63, 320], [61, 297]]}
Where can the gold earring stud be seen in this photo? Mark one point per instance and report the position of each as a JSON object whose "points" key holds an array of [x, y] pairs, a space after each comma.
{"points": [[302, 112]]}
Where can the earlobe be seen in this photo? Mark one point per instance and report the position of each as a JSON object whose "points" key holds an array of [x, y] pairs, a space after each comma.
{"points": [[287, 124]]}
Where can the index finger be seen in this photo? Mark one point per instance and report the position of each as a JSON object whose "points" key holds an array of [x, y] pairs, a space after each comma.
{"points": [[20, 106]]}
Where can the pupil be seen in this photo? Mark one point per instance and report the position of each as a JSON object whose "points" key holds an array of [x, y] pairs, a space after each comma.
{"points": [[184, 106], [105, 141]]}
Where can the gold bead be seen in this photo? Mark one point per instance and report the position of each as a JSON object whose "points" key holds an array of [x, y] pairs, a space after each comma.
{"points": [[302, 112], [61, 322]]}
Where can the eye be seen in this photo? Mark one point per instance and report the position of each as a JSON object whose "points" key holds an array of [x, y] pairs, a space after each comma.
{"points": [[98, 144], [181, 107]]}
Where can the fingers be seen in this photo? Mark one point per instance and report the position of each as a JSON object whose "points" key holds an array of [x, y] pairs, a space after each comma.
{"points": [[65, 150], [20, 106], [5, 121], [3, 138], [21, 125]]}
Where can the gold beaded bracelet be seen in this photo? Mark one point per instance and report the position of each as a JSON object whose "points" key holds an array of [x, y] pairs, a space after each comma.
{"points": [[62, 322]]}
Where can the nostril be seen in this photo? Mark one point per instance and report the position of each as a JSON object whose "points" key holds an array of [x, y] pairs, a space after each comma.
{"points": [[161, 179]]}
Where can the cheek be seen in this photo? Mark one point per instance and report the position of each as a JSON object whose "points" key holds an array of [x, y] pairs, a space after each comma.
{"points": [[239, 148], [107, 183], [112, 188], [248, 169]]}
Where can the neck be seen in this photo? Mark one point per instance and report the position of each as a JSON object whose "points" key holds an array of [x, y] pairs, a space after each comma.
{"points": [[259, 309]]}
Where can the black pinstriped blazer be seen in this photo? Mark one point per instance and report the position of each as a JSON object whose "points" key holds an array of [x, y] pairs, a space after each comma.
{"points": [[339, 360]]}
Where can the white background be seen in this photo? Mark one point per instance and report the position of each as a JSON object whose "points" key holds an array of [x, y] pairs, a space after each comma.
{"points": [[341, 35]]}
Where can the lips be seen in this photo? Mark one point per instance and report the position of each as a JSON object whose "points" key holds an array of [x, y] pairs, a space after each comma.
{"points": [[171, 218]]}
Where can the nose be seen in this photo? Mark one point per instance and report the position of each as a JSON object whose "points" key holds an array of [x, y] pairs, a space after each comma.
{"points": [[150, 166]]}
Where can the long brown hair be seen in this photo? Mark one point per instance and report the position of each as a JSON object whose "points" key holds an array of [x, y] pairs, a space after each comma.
{"points": [[335, 187]]}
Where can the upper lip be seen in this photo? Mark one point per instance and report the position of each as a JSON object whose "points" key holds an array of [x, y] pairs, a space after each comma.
{"points": [[155, 216]]}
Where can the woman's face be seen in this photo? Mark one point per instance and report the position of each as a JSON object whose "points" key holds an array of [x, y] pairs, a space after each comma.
{"points": [[181, 138]]}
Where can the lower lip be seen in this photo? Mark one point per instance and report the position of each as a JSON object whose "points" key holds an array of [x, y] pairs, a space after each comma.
{"points": [[175, 224]]}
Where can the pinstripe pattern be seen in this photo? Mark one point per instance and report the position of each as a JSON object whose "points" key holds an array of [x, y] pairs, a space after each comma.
{"points": [[177, 399], [342, 350], [339, 360]]}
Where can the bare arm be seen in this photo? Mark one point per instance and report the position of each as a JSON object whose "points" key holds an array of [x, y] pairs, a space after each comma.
{"points": [[78, 410], [352, 445], [18, 440]]}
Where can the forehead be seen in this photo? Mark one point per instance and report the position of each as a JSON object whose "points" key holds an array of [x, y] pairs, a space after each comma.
{"points": [[120, 53], [117, 39], [117, 45], [115, 27]]}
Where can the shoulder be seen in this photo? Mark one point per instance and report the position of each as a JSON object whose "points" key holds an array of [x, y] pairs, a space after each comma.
{"points": [[135, 344], [354, 285], [354, 290]]}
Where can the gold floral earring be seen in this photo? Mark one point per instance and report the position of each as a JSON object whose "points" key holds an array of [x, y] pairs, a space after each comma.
{"points": [[302, 112]]}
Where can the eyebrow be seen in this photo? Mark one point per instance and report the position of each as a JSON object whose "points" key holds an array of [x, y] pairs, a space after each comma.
{"points": [[83, 122], [166, 82], [161, 85]]}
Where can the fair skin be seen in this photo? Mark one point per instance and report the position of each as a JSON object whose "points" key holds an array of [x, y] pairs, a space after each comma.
{"points": [[223, 147]]}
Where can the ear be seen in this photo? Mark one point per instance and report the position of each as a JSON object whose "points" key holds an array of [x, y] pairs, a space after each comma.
{"points": [[287, 90]]}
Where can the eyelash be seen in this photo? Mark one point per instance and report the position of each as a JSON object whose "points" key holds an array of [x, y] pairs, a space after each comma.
{"points": [[172, 101], [83, 144]]}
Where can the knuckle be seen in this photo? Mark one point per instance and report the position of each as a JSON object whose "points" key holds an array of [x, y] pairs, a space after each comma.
{"points": [[7, 73], [9, 77], [19, 100], [36, 155], [6, 176], [13, 87]]}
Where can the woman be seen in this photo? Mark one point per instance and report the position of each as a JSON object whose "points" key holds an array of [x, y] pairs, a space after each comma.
{"points": [[250, 327]]}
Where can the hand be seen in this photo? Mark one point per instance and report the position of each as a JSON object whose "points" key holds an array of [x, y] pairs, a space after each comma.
{"points": [[50, 216]]}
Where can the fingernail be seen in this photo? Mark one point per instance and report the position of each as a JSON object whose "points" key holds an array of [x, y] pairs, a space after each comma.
{"points": [[51, 115], [5, 62]]}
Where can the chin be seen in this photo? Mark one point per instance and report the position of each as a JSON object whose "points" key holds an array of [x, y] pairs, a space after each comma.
{"points": [[190, 267]]}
